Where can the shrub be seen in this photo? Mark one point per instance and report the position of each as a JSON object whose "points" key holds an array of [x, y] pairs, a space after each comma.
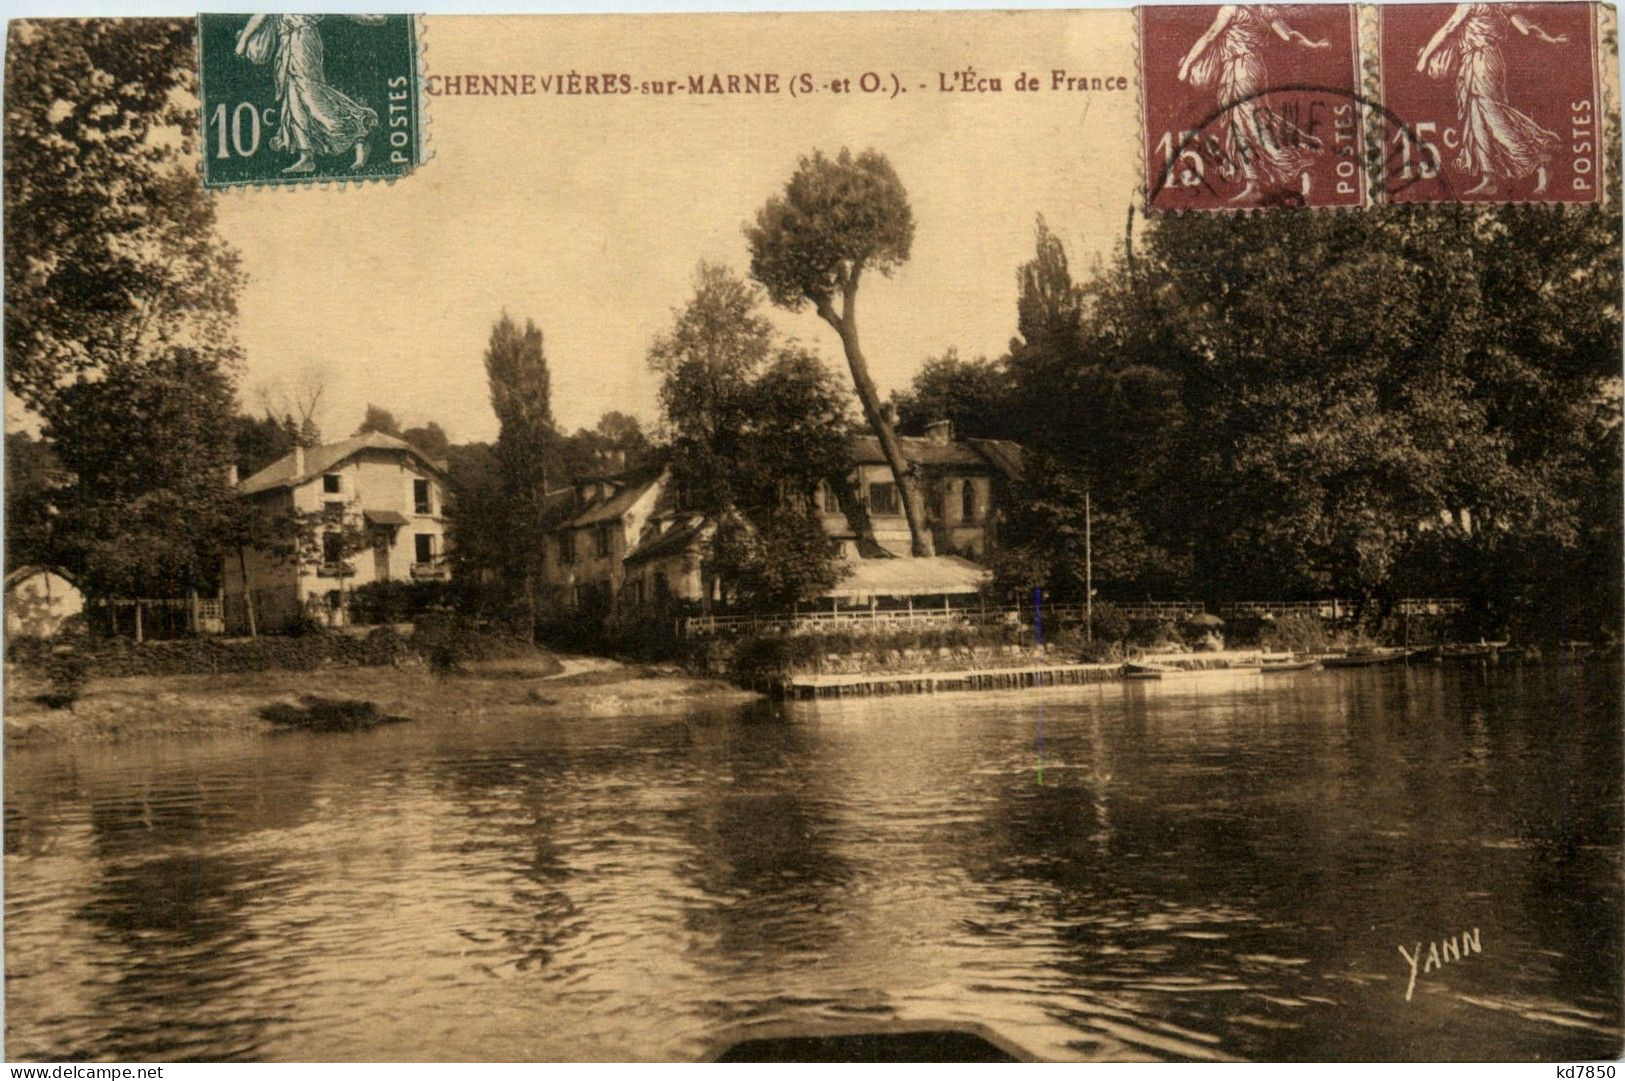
{"points": [[398, 602], [384, 645], [1110, 624], [68, 671], [1155, 632], [111, 657], [1296, 632]]}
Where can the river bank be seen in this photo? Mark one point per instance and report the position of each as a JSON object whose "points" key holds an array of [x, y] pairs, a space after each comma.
{"points": [[136, 707]]}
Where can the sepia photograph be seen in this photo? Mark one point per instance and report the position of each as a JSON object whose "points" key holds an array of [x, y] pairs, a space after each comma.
{"points": [[871, 536]]}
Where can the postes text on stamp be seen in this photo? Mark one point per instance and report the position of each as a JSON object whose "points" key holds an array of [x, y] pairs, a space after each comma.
{"points": [[1251, 105], [290, 99], [1500, 103]]}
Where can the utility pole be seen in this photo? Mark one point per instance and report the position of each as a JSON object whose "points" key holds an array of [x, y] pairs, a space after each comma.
{"points": [[1088, 571]]}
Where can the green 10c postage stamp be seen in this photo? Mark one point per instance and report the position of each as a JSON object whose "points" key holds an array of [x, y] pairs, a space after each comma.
{"points": [[291, 99]]}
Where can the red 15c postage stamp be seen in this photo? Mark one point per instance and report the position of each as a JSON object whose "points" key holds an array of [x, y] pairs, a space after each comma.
{"points": [[1248, 106], [1490, 103]]}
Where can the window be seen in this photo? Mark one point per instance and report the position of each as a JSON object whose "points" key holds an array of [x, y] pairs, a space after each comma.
{"points": [[661, 588], [332, 548], [332, 483], [637, 591], [832, 498], [420, 497], [425, 547], [584, 595], [567, 547], [333, 510], [883, 498], [601, 537], [967, 501]]}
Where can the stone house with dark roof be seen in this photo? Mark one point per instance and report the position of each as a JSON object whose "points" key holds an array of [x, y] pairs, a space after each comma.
{"points": [[374, 484], [966, 484], [584, 565]]}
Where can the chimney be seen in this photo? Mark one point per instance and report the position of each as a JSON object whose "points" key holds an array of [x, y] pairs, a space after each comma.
{"points": [[298, 459], [940, 431]]}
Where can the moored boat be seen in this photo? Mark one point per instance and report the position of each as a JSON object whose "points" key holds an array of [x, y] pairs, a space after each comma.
{"points": [[1289, 664]]}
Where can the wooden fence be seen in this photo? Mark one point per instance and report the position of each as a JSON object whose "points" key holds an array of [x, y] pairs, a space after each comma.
{"points": [[155, 617]]}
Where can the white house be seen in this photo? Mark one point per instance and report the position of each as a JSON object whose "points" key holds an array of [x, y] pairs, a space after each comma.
{"points": [[374, 486]]}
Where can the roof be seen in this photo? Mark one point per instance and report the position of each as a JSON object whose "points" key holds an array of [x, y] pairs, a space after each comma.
{"points": [[865, 450], [1007, 457], [668, 543], [1001, 454], [556, 506], [909, 577], [384, 517], [318, 460], [608, 510], [28, 570]]}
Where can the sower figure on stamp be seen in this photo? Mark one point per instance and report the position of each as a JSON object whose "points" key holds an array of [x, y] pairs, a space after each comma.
{"points": [[1260, 144], [312, 117], [1497, 140]]}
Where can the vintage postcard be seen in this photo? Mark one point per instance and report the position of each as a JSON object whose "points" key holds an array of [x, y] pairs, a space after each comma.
{"points": [[969, 536]]}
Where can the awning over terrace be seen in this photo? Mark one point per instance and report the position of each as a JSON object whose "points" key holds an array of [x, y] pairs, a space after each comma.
{"points": [[934, 576]]}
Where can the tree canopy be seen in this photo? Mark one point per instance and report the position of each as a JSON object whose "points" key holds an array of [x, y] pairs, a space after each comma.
{"points": [[756, 425], [111, 253], [521, 396], [837, 218], [1444, 399]]}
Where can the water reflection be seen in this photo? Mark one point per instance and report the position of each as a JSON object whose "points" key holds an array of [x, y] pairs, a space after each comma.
{"points": [[1217, 871]]}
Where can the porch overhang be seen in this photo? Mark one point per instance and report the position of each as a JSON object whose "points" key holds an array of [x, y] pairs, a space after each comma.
{"points": [[910, 577]]}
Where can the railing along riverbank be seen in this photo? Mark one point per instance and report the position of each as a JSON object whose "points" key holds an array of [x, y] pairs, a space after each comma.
{"points": [[948, 614]]}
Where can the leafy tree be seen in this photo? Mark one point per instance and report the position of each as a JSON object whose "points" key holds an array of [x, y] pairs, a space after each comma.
{"points": [[477, 520], [259, 441], [1098, 418], [708, 361], [379, 419], [757, 426], [521, 396], [837, 218], [148, 449], [111, 253], [430, 440], [973, 394], [1441, 408], [617, 434], [35, 487]]}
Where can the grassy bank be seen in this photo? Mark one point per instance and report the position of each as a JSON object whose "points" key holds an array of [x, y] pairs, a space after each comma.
{"points": [[133, 707]]}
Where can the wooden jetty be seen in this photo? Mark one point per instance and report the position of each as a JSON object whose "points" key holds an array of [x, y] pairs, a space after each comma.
{"points": [[862, 685]]}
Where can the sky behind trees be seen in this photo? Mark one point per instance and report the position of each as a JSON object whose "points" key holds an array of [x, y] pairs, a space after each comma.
{"points": [[589, 215]]}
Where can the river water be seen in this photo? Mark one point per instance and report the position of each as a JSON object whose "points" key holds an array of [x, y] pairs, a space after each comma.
{"points": [[1209, 869]]}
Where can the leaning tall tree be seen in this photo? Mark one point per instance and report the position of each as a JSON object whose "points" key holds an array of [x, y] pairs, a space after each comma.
{"points": [[837, 218]]}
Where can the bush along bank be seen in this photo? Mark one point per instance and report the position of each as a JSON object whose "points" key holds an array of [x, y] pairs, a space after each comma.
{"points": [[767, 660], [445, 642]]}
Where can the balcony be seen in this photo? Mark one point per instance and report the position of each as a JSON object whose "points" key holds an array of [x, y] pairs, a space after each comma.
{"points": [[430, 572], [331, 569]]}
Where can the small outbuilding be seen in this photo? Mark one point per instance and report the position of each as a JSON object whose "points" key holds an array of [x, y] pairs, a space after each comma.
{"points": [[40, 600]]}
